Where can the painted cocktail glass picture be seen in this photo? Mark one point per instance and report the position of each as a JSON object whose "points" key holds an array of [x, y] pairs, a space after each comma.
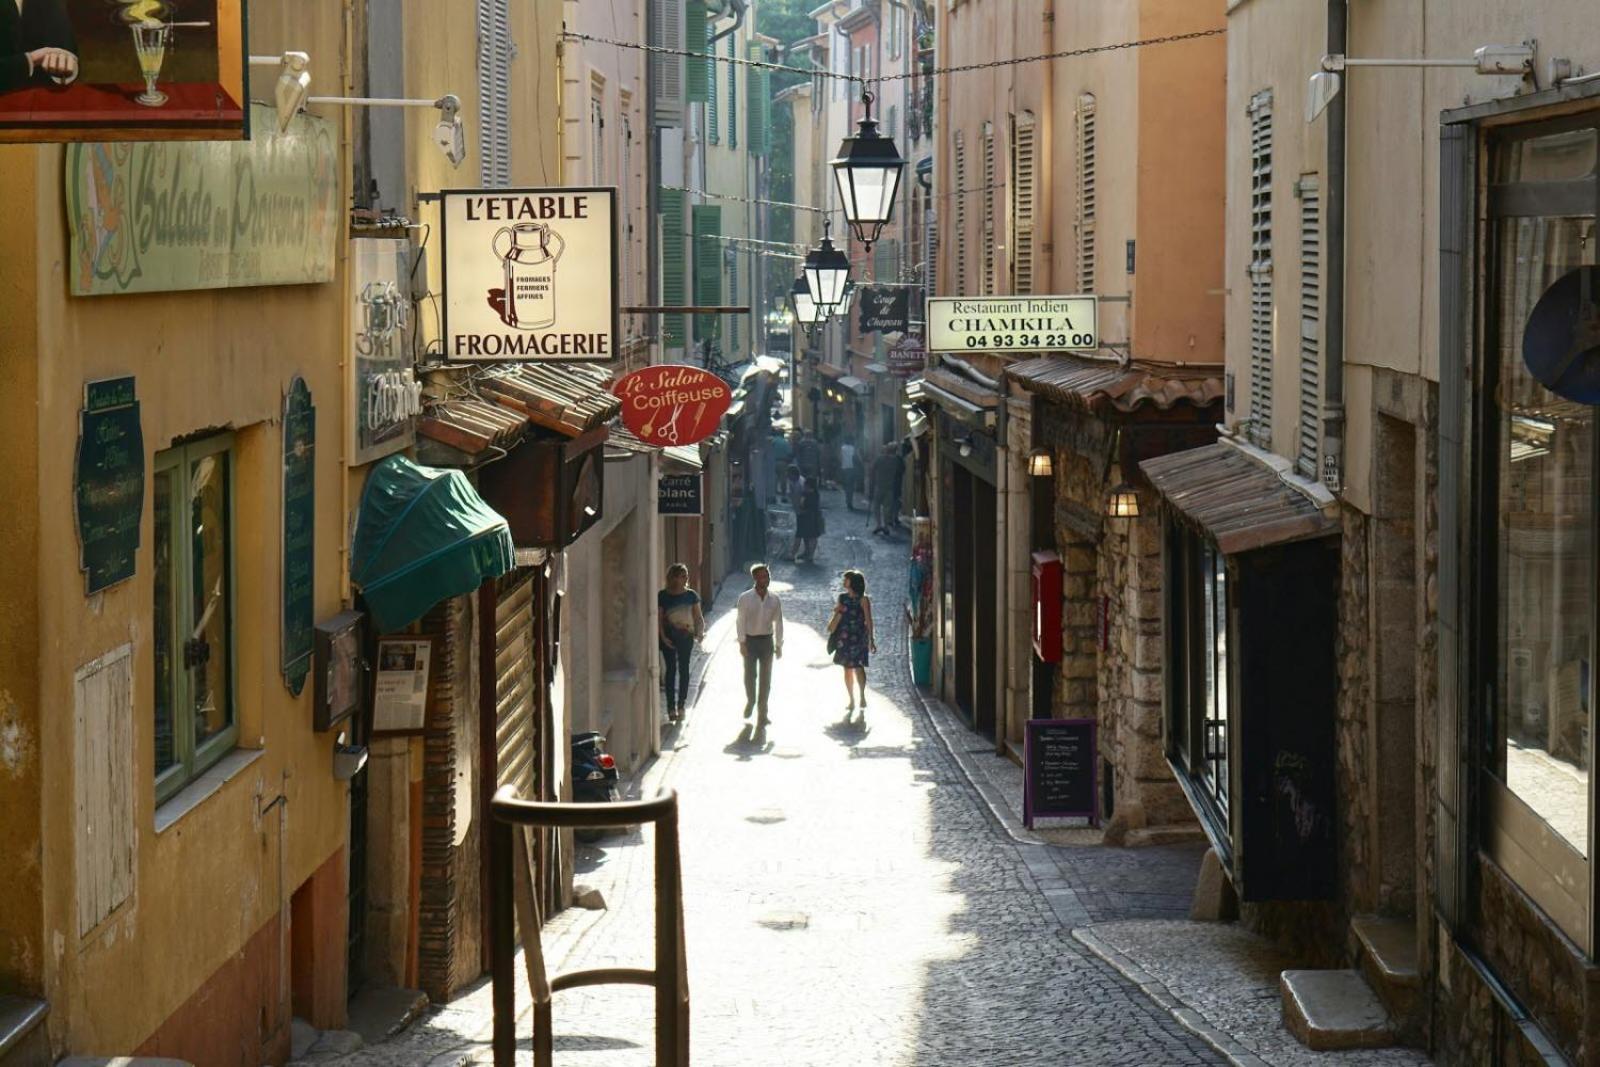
{"points": [[97, 70]]}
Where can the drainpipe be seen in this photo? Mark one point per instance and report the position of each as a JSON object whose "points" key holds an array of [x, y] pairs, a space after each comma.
{"points": [[1333, 317], [737, 9]]}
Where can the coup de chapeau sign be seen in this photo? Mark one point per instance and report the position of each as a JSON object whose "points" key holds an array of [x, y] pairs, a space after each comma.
{"points": [[530, 274]]}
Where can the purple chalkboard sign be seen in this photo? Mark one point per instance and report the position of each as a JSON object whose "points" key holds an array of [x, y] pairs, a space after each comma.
{"points": [[1060, 770]]}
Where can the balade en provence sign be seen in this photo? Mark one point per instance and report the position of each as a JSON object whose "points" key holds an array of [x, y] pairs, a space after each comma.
{"points": [[1013, 324], [530, 274], [159, 216]]}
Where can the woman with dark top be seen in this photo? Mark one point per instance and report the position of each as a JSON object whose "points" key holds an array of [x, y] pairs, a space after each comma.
{"points": [[852, 626], [681, 624], [808, 525]]}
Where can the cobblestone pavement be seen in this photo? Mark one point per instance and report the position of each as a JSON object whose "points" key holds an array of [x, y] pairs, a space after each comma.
{"points": [[1226, 980], [849, 898]]}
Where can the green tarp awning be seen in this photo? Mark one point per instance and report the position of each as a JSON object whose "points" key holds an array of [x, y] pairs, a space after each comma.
{"points": [[423, 534]]}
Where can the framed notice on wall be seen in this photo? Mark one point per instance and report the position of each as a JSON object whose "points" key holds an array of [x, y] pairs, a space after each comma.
{"points": [[400, 694], [530, 274]]}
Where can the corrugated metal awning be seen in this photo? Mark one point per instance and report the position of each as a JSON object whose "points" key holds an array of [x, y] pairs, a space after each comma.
{"points": [[1094, 384], [1239, 502]]}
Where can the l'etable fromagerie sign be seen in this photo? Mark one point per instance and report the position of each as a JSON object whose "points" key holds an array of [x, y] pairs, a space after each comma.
{"points": [[1013, 324], [530, 274]]}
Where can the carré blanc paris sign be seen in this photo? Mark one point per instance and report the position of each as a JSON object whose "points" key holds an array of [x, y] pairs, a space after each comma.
{"points": [[530, 274], [1013, 324]]}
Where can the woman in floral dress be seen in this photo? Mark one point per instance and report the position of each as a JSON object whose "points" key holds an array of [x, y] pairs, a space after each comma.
{"points": [[852, 626]]}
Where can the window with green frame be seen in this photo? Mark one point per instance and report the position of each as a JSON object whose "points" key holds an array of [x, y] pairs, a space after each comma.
{"points": [[195, 720]]}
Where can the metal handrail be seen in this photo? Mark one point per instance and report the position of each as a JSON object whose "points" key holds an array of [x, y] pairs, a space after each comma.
{"points": [[509, 816]]}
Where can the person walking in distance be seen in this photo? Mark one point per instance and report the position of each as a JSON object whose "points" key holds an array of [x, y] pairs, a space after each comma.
{"points": [[885, 473], [851, 638], [808, 456], [809, 524], [848, 473], [681, 624], [760, 626]]}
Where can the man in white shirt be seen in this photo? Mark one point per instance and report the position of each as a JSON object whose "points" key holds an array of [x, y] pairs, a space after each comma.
{"points": [[760, 623], [849, 473]]}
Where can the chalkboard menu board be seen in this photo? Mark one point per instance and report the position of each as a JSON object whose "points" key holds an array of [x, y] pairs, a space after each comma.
{"points": [[1060, 767], [108, 482], [299, 528]]}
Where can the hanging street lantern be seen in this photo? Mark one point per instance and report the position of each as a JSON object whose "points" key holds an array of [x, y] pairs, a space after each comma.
{"points": [[827, 272], [843, 310], [868, 173], [806, 311]]}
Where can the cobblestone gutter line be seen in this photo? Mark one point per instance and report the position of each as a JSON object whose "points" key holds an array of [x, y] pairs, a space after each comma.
{"points": [[1186, 1016]]}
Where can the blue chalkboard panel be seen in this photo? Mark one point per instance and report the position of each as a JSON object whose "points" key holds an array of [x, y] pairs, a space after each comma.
{"points": [[299, 527], [108, 482]]}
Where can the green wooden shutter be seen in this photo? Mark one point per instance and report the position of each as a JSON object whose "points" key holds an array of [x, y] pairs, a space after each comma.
{"points": [[733, 96], [674, 259], [707, 266], [733, 298], [697, 32], [713, 94], [758, 113]]}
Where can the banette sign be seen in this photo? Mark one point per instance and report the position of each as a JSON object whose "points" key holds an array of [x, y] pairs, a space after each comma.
{"points": [[530, 274]]}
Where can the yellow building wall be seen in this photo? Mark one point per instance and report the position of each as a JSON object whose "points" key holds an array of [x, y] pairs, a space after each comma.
{"points": [[21, 889], [202, 360]]}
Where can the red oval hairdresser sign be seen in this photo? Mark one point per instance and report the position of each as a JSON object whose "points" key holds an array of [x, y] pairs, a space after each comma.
{"points": [[672, 404]]}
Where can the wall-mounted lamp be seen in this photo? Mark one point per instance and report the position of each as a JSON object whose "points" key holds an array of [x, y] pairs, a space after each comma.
{"points": [[1123, 503], [965, 445], [1493, 59], [1041, 464], [449, 134], [294, 82]]}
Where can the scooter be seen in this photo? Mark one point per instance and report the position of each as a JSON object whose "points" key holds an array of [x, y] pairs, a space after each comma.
{"points": [[594, 775]]}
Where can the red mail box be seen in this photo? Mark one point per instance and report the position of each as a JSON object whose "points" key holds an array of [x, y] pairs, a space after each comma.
{"points": [[1047, 606]]}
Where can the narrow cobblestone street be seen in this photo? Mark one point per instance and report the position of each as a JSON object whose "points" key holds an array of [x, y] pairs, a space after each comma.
{"points": [[849, 898]]}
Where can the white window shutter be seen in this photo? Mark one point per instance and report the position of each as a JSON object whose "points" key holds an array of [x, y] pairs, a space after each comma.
{"points": [[667, 71], [1088, 203], [1310, 326], [1024, 186], [1261, 269], [959, 195], [989, 178], [494, 92]]}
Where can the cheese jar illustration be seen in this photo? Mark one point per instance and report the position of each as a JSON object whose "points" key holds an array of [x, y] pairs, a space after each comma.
{"points": [[529, 301]]}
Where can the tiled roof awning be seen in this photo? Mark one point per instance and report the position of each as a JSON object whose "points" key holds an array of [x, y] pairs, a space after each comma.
{"points": [[570, 398], [950, 388], [1097, 384], [1238, 501], [472, 426], [621, 439]]}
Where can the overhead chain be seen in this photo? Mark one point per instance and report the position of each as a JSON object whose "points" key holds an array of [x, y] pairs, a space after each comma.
{"points": [[761, 64]]}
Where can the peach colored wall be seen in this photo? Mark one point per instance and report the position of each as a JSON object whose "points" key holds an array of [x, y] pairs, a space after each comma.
{"points": [[1178, 303]]}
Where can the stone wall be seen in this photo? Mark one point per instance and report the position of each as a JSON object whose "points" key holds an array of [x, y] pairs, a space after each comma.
{"points": [[1079, 485], [1112, 577], [1146, 798], [1354, 701]]}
